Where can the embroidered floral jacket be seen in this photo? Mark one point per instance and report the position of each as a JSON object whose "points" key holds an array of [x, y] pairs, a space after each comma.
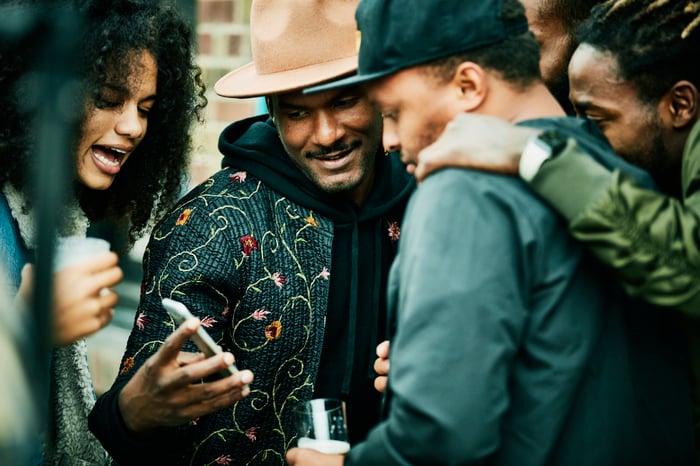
{"points": [[256, 267]]}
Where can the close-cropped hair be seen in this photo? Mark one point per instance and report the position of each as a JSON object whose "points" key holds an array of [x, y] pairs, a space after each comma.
{"points": [[515, 59], [655, 42], [570, 12], [113, 34]]}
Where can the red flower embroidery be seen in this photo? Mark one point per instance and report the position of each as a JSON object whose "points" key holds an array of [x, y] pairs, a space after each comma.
{"points": [[279, 279], [252, 433], [260, 314], [394, 231], [238, 177], [183, 217], [127, 365], [142, 321], [249, 244], [208, 321], [274, 330], [223, 459], [225, 313]]}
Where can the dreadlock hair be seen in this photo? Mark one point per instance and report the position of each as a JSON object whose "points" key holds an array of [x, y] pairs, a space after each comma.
{"points": [[655, 42], [114, 34], [515, 59]]}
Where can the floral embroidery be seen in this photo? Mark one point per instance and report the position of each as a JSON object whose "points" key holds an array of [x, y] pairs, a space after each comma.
{"points": [[226, 312], [260, 314], [249, 244], [325, 273], [274, 330], [238, 177], [252, 433], [394, 231], [223, 459], [183, 217], [311, 220], [208, 321], [279, 279], [142, 321], [194, 421], [127, 365]]}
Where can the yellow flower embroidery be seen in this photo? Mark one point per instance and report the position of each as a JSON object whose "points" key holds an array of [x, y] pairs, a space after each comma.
{"points": [[127, 365], [184, 217], [274, 330], [311, 220]]}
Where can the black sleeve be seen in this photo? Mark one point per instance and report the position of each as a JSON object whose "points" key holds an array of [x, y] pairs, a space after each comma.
{"points": [[106, 423]]}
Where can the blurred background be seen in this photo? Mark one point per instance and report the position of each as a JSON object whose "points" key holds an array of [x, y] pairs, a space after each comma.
{"points": [[222, 31]]}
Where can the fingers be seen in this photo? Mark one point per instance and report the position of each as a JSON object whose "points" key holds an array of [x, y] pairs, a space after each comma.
{"points": [[27, 274], [292, 455], [309, 457], [185, 357], [383, 349], [381, 366], [380, 383], [219, 394], [102, 270]]}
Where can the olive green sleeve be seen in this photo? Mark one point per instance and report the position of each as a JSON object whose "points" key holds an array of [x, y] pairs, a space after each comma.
{"points": [[651, 240]]}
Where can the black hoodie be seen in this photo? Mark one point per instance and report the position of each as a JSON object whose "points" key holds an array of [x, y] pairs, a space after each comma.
{"points": [[364, 245]]}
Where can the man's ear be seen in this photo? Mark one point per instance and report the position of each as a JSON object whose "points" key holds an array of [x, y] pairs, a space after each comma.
{"points": [[682, 104], [270, 109], [470, 81]]}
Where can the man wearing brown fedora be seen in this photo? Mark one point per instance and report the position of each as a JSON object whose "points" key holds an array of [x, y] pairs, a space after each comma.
{"points": [[282, 255], [513, 345]]}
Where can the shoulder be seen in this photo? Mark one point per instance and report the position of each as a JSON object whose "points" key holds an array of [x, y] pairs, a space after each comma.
{"points": [[478, 204], [473, 191]]}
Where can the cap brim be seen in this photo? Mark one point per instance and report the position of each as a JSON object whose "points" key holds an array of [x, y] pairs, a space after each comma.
{"points": [[353, 80], [246, 82]]}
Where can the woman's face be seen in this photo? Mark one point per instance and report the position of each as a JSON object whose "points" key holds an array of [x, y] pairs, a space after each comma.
{"points": [[116, 125]]}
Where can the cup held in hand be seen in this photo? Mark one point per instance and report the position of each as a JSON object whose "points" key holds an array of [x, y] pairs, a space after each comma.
{"points": [[72, 249], [321, 425]]}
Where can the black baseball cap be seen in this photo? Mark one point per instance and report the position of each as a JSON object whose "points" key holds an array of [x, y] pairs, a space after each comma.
{"points": [[397, 34]]}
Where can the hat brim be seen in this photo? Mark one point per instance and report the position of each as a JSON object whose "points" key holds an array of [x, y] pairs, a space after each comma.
{"points": [[246, 82], [353, 80]]}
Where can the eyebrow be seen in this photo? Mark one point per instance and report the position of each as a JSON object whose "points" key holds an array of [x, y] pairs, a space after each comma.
{"points": [[125, 91]]}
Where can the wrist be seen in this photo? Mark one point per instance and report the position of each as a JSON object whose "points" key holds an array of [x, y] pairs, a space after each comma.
{"points": [[539, 149]]}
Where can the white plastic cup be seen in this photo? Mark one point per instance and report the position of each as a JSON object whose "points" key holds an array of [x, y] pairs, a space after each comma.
{"points": [[72, 249]]}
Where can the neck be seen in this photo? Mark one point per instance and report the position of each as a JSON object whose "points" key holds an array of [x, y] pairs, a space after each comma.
{"points": [[515, 105]]}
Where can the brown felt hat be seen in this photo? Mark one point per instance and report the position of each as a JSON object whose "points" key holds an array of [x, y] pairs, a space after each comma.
{"points": [[295, 44]]}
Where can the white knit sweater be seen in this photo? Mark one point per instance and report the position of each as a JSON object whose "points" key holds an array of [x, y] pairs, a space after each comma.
{"points": [[72, 393]]}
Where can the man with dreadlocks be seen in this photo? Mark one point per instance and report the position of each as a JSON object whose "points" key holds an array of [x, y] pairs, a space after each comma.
{"points": [[635, 74]]}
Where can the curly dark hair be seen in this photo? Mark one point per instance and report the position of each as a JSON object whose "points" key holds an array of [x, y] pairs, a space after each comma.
{"points": [[655, 42], [515, 59], [151, 180]]}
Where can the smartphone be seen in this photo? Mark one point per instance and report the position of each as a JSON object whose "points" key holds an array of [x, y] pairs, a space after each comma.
{"points": [[202, 339]]}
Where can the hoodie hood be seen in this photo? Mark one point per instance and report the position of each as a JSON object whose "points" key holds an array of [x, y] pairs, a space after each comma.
{"points": [[253, 145]]}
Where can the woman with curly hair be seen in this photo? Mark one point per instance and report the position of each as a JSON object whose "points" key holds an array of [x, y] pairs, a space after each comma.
{"points": [[141, 94]]}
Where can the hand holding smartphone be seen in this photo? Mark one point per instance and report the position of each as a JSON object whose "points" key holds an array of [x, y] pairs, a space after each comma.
{"points": [[201, 338]]}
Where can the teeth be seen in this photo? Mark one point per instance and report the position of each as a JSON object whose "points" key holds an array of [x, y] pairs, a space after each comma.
{"points": [[112, 163], [120, 151]]}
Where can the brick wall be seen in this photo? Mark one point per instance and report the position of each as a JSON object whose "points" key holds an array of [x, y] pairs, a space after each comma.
{"points": [[223, 44]]}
